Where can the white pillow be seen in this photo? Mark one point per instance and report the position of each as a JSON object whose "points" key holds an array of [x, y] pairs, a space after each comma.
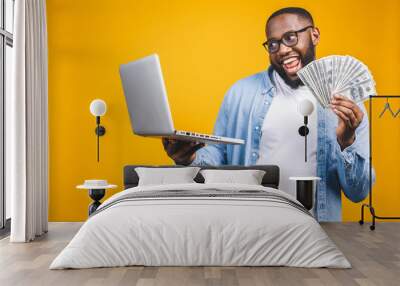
{"points": [[248, 177], [163, 176]]}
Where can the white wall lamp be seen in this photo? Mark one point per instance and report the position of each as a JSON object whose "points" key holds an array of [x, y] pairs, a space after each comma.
{"points": [[98, 108], [305, 108]]}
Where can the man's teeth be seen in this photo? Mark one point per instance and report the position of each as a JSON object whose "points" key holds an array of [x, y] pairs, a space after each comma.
{"points": [[288, 61]]}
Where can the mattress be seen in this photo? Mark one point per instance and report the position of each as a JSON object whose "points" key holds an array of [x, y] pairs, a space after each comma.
{"points": [[201, 225]]}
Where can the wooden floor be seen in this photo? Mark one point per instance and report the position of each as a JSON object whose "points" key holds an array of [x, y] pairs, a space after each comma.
{"points": [[375, 257]]}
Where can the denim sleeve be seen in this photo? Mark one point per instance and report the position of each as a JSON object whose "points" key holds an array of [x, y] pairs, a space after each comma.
{"points": [[215, 154], [353, 163]]}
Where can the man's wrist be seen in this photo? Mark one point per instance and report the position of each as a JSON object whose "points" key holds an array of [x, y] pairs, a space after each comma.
{"points": [[185, 162], [344, 143]]}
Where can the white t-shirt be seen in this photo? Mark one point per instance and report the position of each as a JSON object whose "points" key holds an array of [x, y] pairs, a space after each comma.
{"points": [[281, 143]]}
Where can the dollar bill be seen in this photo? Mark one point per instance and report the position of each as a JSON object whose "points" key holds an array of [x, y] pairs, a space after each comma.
{"points": [[338, 74]]}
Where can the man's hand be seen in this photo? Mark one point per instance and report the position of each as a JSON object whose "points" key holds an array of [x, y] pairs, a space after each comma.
{"points": [[350, 116], [182, 152]]}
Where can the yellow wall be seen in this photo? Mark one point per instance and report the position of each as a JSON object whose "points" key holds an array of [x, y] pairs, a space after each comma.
{"points": [[205, 46]]}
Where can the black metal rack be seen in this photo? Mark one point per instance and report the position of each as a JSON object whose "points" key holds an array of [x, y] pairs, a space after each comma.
{"points": [[369, 205]]}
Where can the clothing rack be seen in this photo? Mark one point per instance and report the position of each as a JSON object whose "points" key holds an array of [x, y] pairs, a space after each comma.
{"points": [[370, 205]]}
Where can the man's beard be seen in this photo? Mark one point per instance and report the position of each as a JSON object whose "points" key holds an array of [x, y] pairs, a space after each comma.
{"points": [[306, 59]]}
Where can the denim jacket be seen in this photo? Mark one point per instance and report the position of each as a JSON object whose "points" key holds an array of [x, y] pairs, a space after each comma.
{"points": [[241, 116]]}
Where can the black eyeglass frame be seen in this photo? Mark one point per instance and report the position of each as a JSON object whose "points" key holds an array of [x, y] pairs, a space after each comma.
{"points": [[282, 41]]}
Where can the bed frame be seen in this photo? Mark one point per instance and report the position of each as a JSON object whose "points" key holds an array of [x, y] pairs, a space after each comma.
{"points": [[270, 179]]}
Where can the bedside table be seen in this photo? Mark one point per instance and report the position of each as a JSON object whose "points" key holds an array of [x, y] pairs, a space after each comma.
{"points": [[97, 190], [305, 190]]}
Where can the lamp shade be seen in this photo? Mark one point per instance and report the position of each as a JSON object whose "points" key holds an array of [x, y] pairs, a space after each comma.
{"points": [[305, 107], [98, 107]]}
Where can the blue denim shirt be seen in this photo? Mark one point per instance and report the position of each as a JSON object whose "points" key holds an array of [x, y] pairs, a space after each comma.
{"points": [[241, 116]]}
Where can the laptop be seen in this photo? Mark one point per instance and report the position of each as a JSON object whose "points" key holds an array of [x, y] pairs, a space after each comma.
{"points": [[148, 107]]}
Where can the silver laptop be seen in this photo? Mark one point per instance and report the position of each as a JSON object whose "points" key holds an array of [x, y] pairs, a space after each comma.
{"points": [[148, 107]]}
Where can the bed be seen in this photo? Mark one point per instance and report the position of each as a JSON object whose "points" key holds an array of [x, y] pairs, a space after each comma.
{"points": [[198, 224]]}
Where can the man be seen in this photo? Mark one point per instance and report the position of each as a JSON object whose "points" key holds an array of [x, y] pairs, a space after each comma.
{"points": [[262, 109]]}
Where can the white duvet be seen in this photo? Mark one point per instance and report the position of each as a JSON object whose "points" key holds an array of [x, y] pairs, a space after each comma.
{"points": [[188, 231]]}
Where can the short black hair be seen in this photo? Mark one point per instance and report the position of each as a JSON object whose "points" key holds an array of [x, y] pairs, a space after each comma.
{"points": [[291, 10]]}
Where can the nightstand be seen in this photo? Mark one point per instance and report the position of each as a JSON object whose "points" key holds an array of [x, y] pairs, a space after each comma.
{"points": [[97, 190], [305, 190]]}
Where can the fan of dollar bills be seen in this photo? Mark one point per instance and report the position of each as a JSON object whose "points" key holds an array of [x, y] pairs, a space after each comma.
{"points": [[343, 75]]}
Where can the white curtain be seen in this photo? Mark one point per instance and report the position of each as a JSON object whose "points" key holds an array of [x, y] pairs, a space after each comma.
{"points": [[27, 124]]}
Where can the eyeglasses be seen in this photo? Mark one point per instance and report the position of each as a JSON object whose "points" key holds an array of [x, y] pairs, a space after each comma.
{"points": [[289, 39]]}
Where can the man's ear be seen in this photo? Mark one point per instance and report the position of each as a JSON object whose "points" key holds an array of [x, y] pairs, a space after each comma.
{"points": [[315, 35]]}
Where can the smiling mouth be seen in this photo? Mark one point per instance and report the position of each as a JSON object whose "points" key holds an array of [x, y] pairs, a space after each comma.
{"points": [[291, 65]]}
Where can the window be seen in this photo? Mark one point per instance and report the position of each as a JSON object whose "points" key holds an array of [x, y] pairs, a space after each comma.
{"points": [[6, 60]]}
